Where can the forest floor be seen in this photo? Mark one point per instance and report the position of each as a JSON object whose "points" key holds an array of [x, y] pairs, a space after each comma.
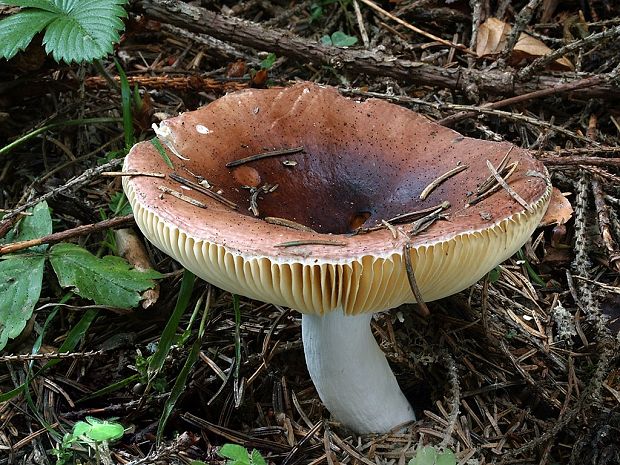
{"points": [[521, 368]]}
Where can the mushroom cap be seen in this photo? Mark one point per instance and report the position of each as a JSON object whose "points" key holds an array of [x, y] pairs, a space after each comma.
{"points": [[362, 162]]}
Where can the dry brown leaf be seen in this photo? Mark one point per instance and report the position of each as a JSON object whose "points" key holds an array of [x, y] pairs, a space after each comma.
{"points": [[491, 37], [491, 40], [529, 48], [559, 211]]}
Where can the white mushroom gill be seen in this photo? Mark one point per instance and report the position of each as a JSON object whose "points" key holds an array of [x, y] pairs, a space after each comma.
{"points": [[351, 373]]}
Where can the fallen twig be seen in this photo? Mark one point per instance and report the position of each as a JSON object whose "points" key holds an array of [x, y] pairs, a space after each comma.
{"points": [[77, 181], [424, 311], [260, 156], [507, 187], [372, 62], [112, 223], [203, 190], [183, 197], [415, 29], [287, 223], [436, 182], [311, 242]]}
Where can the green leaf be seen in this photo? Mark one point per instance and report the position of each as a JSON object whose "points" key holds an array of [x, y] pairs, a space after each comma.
{"points": [[446, 458], [238, 454], [326, 40], [80, 428], [107, 281], [20, 287], [74, 30], [103, 430], [316, 11], [21, 275], [340, 39], [430, 456], [18, 30], [257, 459], [494, 274], [98, 430], [119, 204], [268, 62], [530, 271], [162, 152], [424, 456], [33, 226]]}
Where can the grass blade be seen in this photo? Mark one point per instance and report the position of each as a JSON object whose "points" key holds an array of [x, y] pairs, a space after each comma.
{"points": [[181, 379], [169, 333]]}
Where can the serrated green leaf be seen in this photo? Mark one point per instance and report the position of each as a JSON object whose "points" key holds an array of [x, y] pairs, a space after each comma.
{"points": [[257, 458], [107, 281], [21, 275], [74, 30], [235, 452], [17, 31]]}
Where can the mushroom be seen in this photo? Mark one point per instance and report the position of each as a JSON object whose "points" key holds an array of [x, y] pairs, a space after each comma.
{"points": [[341, 168]]}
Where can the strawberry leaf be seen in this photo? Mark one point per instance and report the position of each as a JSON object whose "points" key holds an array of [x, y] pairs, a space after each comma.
{"points": [[107, 281], [75, 30], [21, 274]]}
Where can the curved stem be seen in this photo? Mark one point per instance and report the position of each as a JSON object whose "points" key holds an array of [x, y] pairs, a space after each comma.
{"points": [[351, 374]]}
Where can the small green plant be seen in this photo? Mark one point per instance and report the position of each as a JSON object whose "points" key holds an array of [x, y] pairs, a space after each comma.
{"points": [[269, 61], [530, 271], [75, 30], [339, 39], [107, 281], [495, 274], [89, 433], [429, 455], [239, 455], [317, 9], [119, 205]]}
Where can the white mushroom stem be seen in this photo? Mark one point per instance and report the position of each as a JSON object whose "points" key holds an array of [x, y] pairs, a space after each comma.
{"points": [[351, 374]]}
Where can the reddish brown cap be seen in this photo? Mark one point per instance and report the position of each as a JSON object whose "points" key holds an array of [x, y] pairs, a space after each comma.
{"points": [[361, 161]]}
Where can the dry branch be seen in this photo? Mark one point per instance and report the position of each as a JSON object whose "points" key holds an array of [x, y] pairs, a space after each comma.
{"points": [[371, 62], [112, 223]]}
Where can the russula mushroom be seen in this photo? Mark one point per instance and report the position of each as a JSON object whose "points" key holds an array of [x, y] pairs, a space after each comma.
{"points": [[361, 163]]}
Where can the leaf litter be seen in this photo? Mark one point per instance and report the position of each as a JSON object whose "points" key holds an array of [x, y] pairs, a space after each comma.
{"points": [[521, 368]]}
